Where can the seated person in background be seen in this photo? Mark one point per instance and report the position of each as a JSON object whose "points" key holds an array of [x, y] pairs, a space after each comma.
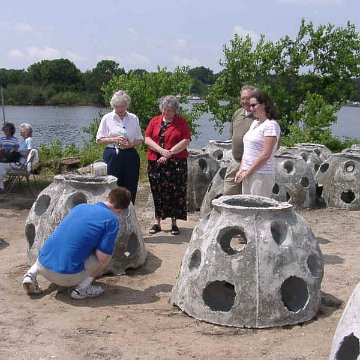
{"points": [[23, 150], [8, 143], [75, 258]]}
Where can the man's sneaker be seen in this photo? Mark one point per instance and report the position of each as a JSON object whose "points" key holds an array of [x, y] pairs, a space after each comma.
{"points": [[30, 285], [90, 291]]}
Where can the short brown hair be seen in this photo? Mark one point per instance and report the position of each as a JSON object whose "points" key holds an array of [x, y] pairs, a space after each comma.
{"points": [[119, 198]]}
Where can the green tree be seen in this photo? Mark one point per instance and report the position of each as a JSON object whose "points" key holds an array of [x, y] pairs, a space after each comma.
{"points": [[318, 62], [203, 78], [58, 71], [101, 74], [146, 88]]}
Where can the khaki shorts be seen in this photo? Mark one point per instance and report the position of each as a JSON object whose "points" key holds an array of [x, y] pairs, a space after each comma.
{"points": [[91, 264], [230, 186], [258, 184]]}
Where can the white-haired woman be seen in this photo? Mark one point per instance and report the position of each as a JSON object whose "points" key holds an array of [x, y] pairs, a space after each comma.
{"points": [[167, 137], [120, 131], [24, 149]]}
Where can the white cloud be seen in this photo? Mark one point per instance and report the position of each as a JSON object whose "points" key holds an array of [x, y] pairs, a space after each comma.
{"points": [[243, 32], [182, 61], [46, 53], [136, 61], [34, 54], [15, 55], [179, 44], [74, 57], [23, 28], [132, 33]]}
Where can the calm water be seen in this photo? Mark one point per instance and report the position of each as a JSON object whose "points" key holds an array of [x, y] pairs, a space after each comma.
{"points": [[67, 123]]}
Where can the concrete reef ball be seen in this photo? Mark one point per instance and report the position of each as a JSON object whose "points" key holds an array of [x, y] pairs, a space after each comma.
{"points": [[214, 191], [201, 170], [219, 150], [313, 154], [345, 344], [67, 191], [339, 178], [253, 262], [294, 182]]}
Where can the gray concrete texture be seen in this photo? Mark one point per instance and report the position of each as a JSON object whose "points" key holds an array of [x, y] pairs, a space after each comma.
{"points": [[345, 344], [313, 154], [338, 177], [202, 167], [67, 191], [252, 262], [294, 182], [219, 150]]}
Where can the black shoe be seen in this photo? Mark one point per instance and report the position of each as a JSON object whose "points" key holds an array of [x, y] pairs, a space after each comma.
{"points": [[174, 230], [154, 229]]}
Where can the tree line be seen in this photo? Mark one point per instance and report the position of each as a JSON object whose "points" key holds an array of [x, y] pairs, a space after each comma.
{"points": [[60, 82]]}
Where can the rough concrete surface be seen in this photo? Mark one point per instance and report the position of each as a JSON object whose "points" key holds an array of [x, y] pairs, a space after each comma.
{"points": [[252, 262]]}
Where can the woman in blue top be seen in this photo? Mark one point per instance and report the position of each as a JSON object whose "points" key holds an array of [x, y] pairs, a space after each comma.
{"points": [[8, 142], [24, 150]]}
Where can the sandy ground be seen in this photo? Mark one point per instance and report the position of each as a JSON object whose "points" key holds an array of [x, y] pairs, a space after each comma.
{"points": [[133, 319]]}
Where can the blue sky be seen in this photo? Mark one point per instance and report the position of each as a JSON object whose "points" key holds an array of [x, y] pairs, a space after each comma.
{"points": [[150, 33]]}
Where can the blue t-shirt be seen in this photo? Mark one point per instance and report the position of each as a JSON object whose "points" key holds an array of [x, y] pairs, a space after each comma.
{"points": [[87, 227], [9, 143]]}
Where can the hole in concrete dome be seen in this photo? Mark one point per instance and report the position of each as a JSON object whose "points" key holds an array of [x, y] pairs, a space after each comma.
{"points": [[317, 152], [347, 196], [218, 154], [288, 197], [313, 265], [252, 203], [219, 296], [276, 189], [279, 231], [316, 167], [222, 173], [324, 167], [195, 260], [30, 234], [349, 166], [75, 199], [349, 348], [305, 156], [132, 244], [304, 182], [289, 166], [232, 240], [202, 164], [294, 293], [41, 205]]}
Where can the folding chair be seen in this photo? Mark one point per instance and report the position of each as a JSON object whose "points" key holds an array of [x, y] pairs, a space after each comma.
{"points": [[15, 175]]}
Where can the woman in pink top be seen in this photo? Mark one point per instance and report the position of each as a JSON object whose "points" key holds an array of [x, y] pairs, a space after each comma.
{"points": [[257, 169]]}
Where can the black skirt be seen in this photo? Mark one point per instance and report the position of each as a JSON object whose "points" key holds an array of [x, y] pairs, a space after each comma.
{"points": [[168, 184]]}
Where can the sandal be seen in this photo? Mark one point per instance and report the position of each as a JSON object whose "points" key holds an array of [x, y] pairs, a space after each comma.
{"points": [[154, 229], [174, 230]]}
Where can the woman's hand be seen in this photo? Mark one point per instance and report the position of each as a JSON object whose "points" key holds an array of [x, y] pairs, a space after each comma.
{"points": [[241, 175], [123, 142], [162, 160]]}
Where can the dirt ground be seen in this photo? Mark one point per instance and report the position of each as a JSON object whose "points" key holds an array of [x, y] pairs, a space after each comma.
{"points": [[133, 319]]}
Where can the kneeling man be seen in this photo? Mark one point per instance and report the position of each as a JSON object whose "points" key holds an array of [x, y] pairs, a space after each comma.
{"points": [[80, 247]]}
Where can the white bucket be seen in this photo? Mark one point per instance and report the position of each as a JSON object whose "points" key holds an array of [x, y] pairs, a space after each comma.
{"points": [[99, 168]]}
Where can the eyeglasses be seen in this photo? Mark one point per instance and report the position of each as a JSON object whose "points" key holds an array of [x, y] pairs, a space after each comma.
{"points": [[253, 105]]}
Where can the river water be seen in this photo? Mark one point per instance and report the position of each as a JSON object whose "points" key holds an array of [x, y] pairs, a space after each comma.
{"points": [[66, 123]]}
